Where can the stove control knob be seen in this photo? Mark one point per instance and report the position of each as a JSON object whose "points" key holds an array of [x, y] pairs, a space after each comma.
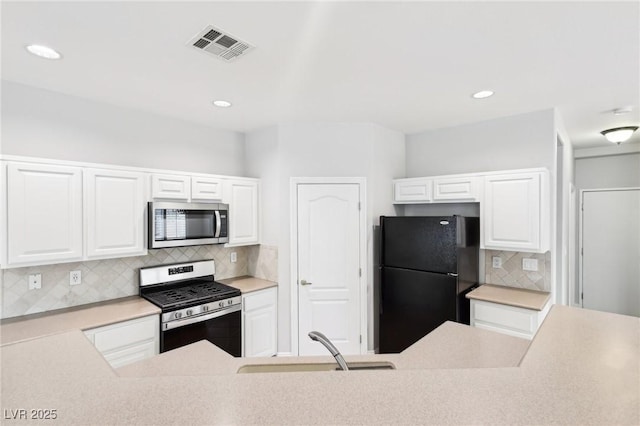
{"points": [[229, 302], [221, 304], [205, 308], [189, 312], [178, 315]]}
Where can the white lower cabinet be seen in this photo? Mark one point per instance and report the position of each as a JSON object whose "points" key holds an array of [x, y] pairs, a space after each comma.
{"points": [[506, 319], [260, 323], [128, 341]]}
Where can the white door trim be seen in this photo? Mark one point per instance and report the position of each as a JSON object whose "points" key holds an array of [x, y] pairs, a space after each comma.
{"points": [[293, 196], [581, 233]]}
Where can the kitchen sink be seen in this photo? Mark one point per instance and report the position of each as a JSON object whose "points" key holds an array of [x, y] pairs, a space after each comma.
{"points": [[330, 366]]}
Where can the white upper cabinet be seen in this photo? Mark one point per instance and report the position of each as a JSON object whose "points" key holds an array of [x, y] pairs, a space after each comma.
{"points": [[171, 187], [206, 188], [457, 189], [515, 212], [243, 196], [115, 203], [44, 214], [186, 188], [412, 190]]}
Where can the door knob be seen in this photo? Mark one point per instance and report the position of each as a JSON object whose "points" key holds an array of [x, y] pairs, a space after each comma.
{"points": [[304, 282]]}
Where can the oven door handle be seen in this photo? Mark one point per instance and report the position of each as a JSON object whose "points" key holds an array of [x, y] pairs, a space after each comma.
{"points": [[182, 322]]}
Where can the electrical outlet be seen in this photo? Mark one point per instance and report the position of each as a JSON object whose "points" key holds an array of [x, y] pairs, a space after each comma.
{"points": [[529, 264], [35, 281], [75, 277], [234, 257], [496, 262]]}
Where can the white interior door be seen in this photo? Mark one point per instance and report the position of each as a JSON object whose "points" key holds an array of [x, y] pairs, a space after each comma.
{"points": [[328, 242], [611, 251]]}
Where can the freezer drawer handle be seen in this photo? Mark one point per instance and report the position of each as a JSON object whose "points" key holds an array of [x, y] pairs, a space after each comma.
{"points": [[451, 274], [304, 282]]}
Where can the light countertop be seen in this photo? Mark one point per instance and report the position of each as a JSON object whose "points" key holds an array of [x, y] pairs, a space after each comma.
{"points": [[519, 297], [82, 317], [247, 284], [581, 368]]}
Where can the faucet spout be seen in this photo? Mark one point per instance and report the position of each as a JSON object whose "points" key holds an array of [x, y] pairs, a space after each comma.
{"points": [[319, 337]]}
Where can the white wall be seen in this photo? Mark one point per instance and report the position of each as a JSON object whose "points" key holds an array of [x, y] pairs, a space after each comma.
{"points": [[322, 150], [41, 123], [598, 172], [516, 142], [615, 171]]}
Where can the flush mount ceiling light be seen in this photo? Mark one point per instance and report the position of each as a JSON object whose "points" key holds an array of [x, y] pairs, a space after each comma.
{"points": [[619, 134], [222, 104], [43, 51], [482, 94]]}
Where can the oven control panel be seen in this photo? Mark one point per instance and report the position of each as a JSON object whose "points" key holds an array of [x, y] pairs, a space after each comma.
{"points": [[206, 308]]}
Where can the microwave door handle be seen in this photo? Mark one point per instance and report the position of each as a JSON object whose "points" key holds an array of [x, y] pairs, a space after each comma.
{"points": [[218, 223]]}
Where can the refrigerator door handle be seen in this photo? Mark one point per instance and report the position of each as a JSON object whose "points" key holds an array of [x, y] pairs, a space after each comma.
{"points": [[451, 274]]}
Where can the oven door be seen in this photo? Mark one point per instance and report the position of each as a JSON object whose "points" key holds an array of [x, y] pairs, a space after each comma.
{"points": [[222, 328]]}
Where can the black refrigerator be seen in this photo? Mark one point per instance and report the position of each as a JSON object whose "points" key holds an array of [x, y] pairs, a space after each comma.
{"points": [[427, 266]]}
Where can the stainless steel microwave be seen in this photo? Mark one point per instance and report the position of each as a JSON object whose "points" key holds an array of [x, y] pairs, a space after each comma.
{"points": [[187, 224]]}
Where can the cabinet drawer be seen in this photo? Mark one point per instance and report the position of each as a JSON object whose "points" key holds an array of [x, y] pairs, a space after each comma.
{"points": [[125, 334], [173, 187], [131, 354], [456, 189], [206, 189], [416, 190], [521, 320], [260, 299]]}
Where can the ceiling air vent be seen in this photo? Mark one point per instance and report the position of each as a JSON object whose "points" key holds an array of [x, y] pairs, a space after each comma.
{"points": [[220, 44]]}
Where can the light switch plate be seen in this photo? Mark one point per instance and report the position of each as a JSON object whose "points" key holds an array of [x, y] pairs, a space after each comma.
{"points": [[529, 264], [234, 257], [496, 262]]}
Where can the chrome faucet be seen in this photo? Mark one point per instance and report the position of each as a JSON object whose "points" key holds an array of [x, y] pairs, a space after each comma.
{"points": [[319, 337]]}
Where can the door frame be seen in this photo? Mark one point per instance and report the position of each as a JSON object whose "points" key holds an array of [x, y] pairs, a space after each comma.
{"points": [[293, 234], [581, 235]]}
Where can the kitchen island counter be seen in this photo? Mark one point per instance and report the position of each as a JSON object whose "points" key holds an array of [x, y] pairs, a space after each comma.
{"points": [[582, 367]]}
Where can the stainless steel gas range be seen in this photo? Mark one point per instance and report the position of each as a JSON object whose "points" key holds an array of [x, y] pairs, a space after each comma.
{"points": [[194, 306]]}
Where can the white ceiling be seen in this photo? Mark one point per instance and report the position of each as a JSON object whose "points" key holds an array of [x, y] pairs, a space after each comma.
{"points": [[407, 66]]}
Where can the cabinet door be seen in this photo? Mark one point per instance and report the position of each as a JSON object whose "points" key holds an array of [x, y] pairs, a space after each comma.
{"points": [[412, 190], [260, 323], [44, 213], [243, 197], [170, 187], [206, 189], [456, 189], [114, 213], [512, 212]]}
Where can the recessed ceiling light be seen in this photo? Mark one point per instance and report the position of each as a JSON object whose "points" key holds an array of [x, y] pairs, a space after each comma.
{"points": [[482, 94], [43, 51], [222, 104]]}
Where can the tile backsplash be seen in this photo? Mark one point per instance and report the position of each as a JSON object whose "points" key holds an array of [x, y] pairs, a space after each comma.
{"points": [[263, 262], [511, 273], [108, 279]]}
